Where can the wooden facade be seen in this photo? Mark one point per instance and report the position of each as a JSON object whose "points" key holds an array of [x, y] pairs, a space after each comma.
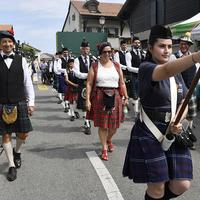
{"points": [[141, 15]]}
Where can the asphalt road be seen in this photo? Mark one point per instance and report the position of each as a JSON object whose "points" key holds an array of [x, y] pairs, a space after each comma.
{"points": [[55, 162]]}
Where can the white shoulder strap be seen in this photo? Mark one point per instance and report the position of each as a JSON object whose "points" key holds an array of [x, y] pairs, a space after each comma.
{"points": [[149, 123]]}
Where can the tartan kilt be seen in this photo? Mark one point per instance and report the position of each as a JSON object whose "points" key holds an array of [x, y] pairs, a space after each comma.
{"points": [[192, 106], [69, 95], [105, 119], [62, 84], [134, 86], [81, 102], [21, 125], [56, 82], [146, 162]]}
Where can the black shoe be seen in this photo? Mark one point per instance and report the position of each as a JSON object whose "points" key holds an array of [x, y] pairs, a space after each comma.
{"points": [[60, 101], [72, 118], [66, 110], [87, 131], [17, 159], [77, 115], [12, 174], [128, 108]]}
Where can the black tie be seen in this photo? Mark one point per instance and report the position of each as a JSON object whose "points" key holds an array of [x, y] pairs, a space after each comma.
{"points": [[138, 54], [11, 56], [86, 63]]}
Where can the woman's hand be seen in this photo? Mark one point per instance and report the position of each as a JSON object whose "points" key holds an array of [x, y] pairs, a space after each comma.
{"points": [[126, 102], [88, 105], [175, 129], [75, 85]]}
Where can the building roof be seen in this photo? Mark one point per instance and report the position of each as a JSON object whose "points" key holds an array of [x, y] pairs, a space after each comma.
{"points": [[105, 9], [31, 47], [6, 27]]}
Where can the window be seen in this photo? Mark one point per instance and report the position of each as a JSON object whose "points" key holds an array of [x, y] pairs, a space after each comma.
{"points": [[94, 29], [111, 32], [93, 9], [157, 12]]}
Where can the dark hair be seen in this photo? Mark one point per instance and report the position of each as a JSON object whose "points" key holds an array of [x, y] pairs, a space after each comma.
{"points": [[148, 54]]}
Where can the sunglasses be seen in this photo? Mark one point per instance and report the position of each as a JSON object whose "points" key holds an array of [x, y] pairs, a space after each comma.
{"points": [[104, 52]]}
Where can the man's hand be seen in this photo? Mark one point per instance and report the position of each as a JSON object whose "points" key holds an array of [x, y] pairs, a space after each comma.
{"points": [[30, 110]]}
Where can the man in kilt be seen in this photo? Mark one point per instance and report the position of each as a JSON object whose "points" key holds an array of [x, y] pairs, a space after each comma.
{"points": [[16, 86], [133, 61], [82, 65], [121, 59], [61, 67], [188, 76], [57, 75]]}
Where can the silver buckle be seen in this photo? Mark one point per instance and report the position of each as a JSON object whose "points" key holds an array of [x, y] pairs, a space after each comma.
{"points": [[167, 117]]}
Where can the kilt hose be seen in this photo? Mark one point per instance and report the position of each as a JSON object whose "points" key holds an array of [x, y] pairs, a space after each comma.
{"points": [[69, 95], [192, 106], [146, 162], [21, 125], [56, 82], [81, 102], [62, 84], [134, 86], [105, 118]]}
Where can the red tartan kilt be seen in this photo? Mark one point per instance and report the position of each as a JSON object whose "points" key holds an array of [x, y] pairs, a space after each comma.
{"points": [[71, 96], [105, 119]]}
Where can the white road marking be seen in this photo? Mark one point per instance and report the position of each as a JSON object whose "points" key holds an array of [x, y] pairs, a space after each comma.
{"points": [[109, 184]]}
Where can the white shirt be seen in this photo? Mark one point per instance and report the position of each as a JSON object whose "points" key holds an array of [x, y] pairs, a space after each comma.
{"points": [[51, 66], [129, 64], [77, 72], [107, 77], [59, 66], [116, 58], [55, 67], [28, 85]]}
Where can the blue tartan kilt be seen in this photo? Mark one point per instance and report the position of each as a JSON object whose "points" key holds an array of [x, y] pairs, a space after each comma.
{"points": [[81, 102], [62, 84], [134, 87], [146, 162], [21, 125], [56, 82]]}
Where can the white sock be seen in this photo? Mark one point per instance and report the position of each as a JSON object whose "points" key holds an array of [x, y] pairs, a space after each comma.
{"points": [[19, 143], [84, 114], [9, 153], [60, 96], [135, 102], [87, 122], [75, 106], [72, 109], [66, 103], [190, 124]]}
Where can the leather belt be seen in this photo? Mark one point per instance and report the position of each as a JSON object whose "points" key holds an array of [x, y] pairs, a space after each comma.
{"points": [[158, 116]]}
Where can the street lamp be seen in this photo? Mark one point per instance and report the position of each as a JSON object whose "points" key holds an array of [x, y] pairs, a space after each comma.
{"points": [[102, 22]]}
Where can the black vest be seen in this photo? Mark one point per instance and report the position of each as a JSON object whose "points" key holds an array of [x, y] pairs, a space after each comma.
{"points": [[12, 81], [135, 62], [189, 74], [64, 63], [122, 61], [72, 78]]}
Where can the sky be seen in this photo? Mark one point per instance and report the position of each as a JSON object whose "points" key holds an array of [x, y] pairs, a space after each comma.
{"points": [[36, 22]]}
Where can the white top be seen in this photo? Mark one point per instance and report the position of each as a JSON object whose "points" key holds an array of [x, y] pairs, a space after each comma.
{"points": [[107, 77], [28, 85], [55, 67], [77, 72], [129, 64], [116, 58], [59, 66]]}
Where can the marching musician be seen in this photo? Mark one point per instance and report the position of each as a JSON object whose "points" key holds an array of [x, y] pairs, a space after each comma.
{"points": [[82, 65], [15, 84]]}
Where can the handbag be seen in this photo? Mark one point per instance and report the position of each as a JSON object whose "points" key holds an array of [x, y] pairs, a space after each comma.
{"points": [[186, 137], [73, 89], [109, 99], [9, 115]]}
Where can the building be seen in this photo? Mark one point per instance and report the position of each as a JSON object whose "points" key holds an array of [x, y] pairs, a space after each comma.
{"points": [[84, 16], [48, 57], [141, 15], [6, 27]]}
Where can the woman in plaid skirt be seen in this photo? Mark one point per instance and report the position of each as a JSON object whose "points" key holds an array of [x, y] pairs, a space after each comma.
{"points": [[167, 173], [105, 79], [71, 94]]}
